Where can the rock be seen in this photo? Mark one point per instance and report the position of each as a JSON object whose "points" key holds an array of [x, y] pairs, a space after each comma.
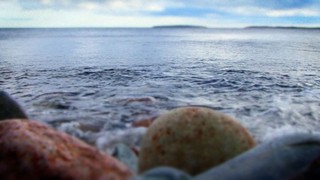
{"points": [[125, 155], [135, 150], [192, 139], [164, 173], [144, 122], [31, 150], [292, 157], [9, 108]]}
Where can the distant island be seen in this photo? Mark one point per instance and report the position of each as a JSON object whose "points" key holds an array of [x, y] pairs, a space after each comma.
{"points": [[281, 27], [179, 26]]}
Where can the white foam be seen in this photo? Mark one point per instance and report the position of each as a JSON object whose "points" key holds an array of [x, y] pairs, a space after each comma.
{"points": [[105, 140], [131, 137], [272, 133], [73, 129]]}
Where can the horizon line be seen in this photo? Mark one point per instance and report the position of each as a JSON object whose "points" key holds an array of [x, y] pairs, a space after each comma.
{"points": [[165, 27]]}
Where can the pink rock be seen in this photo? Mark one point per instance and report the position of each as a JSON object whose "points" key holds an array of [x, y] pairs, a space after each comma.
{"points": [[144, 122], [31, 150]]}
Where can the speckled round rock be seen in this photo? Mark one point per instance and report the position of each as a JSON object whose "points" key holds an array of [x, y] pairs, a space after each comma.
{"points": [[192, 139]]}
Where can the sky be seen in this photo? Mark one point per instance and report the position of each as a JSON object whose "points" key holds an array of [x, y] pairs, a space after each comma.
{"points": [[148, 13]]}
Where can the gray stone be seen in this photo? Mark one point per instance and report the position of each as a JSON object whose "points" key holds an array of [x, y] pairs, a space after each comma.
{"points": [[291, 157], [164, 173], [124, 154], [9, 108]]}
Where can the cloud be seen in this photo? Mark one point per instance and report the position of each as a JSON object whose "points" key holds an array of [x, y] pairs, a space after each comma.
{"points": [[286, 4], [261, 11], [101, 5], [272, 8], [293, 12], [144, 13]]}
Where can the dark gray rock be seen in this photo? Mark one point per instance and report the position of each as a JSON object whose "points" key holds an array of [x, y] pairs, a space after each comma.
{"points": [[9, 108], [164, 173], [291, 157]]}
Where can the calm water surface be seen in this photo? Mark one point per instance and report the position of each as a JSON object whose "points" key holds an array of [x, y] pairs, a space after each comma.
{"points": [[91, 82]]}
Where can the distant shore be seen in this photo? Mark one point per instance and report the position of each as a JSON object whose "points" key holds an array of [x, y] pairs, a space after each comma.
{"points": [[167, 27], [281, 27], [179, 26]]}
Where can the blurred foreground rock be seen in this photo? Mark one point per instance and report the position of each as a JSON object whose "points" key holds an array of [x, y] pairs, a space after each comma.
{"points": [[164, 173], [192, 139], [293, 157], [9, 108], [30, 150]]}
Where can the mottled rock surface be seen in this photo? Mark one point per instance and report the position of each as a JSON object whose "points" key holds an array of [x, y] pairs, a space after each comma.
{"points": [[192, 139], [9, 108], [31, 150]]}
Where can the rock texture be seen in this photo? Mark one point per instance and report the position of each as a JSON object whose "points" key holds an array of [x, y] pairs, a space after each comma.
{"points": [[9, 108], [293, 157], [30, 150], [192, 139]]}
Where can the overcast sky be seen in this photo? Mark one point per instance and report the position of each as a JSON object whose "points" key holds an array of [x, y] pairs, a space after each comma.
{"points": [[146, 13]]}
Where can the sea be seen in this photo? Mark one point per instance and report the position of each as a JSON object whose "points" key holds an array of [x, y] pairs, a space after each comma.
{"points": [[93, 83]]}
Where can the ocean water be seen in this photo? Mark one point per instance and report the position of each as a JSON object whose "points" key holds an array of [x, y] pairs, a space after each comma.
{"points": [[93, 83]]}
